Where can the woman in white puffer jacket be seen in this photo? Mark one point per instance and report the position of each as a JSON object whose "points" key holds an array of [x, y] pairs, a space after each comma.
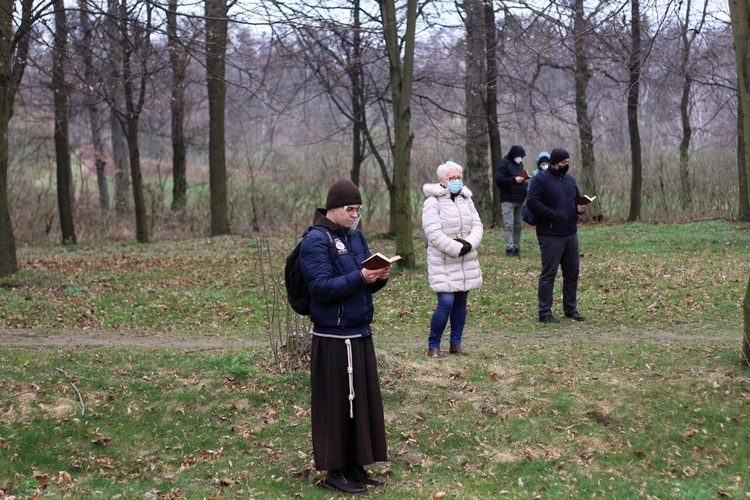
{"points": [[452, 231]]}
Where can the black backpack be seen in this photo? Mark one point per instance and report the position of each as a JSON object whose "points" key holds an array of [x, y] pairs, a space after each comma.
{"points": [[296, 289]]}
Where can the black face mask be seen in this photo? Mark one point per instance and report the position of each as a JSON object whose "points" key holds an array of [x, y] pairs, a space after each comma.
{"points": [[564, 168]]}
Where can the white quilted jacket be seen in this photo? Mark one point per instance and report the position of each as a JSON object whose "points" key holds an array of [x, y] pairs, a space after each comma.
{"points": [[444, 220]]}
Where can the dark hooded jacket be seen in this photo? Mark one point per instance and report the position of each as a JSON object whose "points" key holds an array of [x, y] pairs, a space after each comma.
{"points": [[552, 197], [506, 172], [341, 302]]}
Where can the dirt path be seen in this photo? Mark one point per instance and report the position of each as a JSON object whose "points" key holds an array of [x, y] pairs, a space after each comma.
{"points": [[25, 337]]}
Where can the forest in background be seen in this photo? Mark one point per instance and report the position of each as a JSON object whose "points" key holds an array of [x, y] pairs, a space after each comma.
{"points": [[297, 119]]}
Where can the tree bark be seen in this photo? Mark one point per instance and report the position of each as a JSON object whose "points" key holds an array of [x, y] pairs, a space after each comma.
{"points": [[14, 49], [355, 72], [634, 69], [216, 43], [740, 17], [686, 188], [402, 80], [477, 169], [117, 132], [746, 337], [137, 38], [92, 110], [493, 129], [178, 61], [62, 145], [582, 77]]}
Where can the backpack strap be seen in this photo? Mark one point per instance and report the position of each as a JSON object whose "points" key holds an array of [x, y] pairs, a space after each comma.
{"points": [[332, 252]]}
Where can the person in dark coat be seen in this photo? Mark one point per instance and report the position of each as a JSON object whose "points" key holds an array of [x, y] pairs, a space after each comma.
{"points": [[348, 426], [510, 180], [552, 196]]}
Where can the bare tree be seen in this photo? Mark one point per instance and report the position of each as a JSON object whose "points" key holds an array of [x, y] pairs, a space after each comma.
{"points": [[90, 77], [14, 49], [62, 145], [477, 138], [688, 34], [136, 46], [216, 45], [114, 42], [634, 87], [179, 59], [402, 80], [493, 129]]}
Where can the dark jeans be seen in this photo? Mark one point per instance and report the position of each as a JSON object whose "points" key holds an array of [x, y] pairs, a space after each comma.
{"points": [[558, 251], [453, 306]]}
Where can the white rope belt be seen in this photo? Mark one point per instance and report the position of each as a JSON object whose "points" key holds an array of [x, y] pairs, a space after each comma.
{"points": [[350, 371]]}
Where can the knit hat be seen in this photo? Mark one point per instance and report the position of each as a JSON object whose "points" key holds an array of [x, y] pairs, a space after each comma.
{"points": [[542, 157], [343, 192], [558, 155]]}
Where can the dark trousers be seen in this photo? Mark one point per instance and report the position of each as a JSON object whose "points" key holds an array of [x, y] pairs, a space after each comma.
{"points": [[558, 251]]}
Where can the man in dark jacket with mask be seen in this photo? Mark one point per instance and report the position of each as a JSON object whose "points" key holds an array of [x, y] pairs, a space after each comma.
{"points": [[510, 179], [348, 426], [552, 196]]}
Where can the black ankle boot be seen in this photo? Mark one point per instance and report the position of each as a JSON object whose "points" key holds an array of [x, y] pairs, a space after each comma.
{"points": [[359, 475], [338, 481]]}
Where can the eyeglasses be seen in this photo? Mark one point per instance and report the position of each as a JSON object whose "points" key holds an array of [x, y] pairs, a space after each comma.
{"points": [[352, 210], [456, 178]]}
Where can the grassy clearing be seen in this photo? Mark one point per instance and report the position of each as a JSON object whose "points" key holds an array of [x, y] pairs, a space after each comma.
{"points": [[686, 278], [615, 420], [647, 398]]}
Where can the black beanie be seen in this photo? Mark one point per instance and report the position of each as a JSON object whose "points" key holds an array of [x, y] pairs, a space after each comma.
{"points": [[343, 192], [558, 155]]}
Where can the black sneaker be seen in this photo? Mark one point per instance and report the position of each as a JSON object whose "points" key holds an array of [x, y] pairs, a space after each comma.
{"points": [[336, 480], [548, 319], [574, 315], [509, 252]]}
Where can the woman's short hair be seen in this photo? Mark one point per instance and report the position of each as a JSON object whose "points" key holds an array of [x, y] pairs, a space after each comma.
{"points": [[442, 170]]}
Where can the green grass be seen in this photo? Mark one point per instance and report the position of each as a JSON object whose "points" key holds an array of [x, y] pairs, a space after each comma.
{"points": [[646, 399]]}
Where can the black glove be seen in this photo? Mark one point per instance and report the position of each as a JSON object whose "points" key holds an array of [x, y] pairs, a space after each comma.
{"points": [[466, 247]]}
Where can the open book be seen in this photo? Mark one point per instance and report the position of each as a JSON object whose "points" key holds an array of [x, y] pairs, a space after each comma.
{"points": [[584, 200], [379, 261]]}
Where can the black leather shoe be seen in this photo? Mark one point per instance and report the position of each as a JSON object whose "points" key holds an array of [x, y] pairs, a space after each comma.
{"points": [[359, 475], [336, 480], [548, 319], [574, 315]]}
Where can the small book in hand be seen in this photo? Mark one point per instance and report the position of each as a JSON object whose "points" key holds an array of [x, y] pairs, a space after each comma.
{"points": [[584, 200], [523, 174], [379, 261]]}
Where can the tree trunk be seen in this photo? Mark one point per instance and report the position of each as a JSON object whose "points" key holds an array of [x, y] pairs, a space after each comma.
{"points": [[355, 72], [740, 17], [634, 67], [743, 213], [402, 79], [583, 118], [92, 111], [136, 39], [686, 188], [476, 172], [216, 42], [117, 132], [178, 61], [746, 338], [493, 128], [14, 48], [62, 146]]}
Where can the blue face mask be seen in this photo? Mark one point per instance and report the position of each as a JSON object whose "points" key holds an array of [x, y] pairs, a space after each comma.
{"points": [[455, 186]]}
